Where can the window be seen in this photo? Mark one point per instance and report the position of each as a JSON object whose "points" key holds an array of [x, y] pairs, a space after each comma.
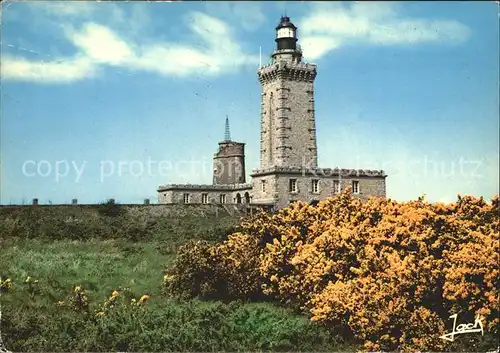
{"points": [[315, 186], [336, 186], [204, 198], [222, 198], [355, 187], [263, 184], [292, 185], [186, 198]]}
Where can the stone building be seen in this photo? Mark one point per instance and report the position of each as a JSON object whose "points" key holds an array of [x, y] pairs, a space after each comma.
{"points": [[288, 149], [228, 186], [229, 161]]}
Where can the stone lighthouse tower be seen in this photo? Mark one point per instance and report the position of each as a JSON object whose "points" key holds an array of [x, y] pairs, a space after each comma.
{"points": [[288, 170], [288, 130]]}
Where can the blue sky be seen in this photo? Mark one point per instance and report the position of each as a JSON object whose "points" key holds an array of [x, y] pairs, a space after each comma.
{"points": [[109, 100]]}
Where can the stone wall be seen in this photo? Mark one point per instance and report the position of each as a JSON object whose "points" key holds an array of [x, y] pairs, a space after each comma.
{"points": [[288, 131], [267, 196], [229, 163], [234, 194], [277, 185], [368, 186], [154, 210]]}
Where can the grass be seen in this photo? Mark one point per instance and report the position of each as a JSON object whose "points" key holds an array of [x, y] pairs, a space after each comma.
{"points": [[100, 266], [107, 250]]}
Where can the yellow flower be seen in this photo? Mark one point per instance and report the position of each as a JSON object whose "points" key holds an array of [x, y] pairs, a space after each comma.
{"points": [[115, 294], [78, 289], [143, 299], [7, 284], [100, 313]]}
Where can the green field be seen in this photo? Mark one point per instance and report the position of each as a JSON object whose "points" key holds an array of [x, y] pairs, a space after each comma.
{"points": [[109, 248]]}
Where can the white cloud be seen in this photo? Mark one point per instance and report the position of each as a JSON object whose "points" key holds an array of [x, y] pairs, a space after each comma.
{"points": [[250, 15], [175, 61], [331, 25], [100, 44], [245, 14], [317, 46], [215, 51], [210, 29], [66, 8], [60, 71], [130, 16], [139, 18]]}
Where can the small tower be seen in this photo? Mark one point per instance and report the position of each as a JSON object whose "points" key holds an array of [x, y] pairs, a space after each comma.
{"points": [[288, 129], [229, 161]]}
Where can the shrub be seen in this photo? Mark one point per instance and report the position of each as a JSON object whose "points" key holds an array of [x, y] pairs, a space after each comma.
{"points": [[110, 209], [194, 273], [112, 221], [5, 285], [225, 271], [124, 324], [391, 273]]}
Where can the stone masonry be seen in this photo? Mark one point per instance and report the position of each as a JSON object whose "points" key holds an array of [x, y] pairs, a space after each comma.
{"points": [[205, 194], [288, 131], [280, 186], [288, 169], [229, 163]]}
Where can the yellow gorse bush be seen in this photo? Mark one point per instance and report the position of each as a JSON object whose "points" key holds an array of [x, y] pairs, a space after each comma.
{"points": [[5, 285], [118, 299], [32, 284], [143, 299], [79, 300], [392, 273], [111, 301]]}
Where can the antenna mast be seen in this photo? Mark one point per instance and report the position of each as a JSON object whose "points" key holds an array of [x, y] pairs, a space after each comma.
{"points": [[227, 135]]}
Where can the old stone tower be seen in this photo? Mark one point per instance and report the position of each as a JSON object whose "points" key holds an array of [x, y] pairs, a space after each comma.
{"points": [[229, 161], [288, 131], [288, 169]]}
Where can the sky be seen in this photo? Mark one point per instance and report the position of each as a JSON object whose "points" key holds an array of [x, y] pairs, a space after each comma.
{"points": [[107, 100]]}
